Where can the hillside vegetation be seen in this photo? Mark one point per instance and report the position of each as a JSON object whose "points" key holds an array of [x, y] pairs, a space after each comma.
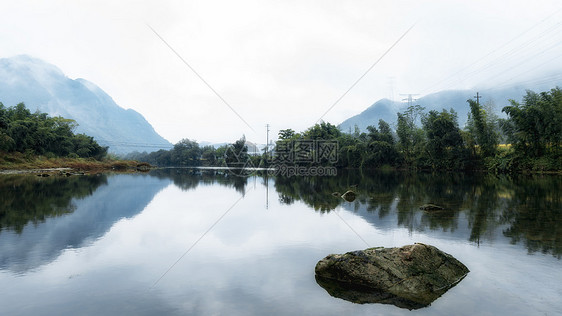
{"points": [[528, 139], [36, 140]]}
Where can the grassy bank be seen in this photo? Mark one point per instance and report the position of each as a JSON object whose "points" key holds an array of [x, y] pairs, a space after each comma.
{"points": [[19, 161]]}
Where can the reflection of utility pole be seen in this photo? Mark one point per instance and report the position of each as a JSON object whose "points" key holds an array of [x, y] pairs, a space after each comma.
{"points": [[477, 96], [266, 191], [409, 99]]}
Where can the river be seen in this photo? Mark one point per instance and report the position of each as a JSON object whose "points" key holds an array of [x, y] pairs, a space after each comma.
{"points": [[206, 242]]}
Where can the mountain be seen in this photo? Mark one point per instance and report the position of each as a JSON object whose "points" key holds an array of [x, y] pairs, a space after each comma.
{"points": [[44, 87], [383, 109], [456, 99]]}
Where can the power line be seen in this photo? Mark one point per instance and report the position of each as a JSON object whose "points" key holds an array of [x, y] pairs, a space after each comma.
{"points": [[201, 78], [530, 58], [437, 83], [511, 57], [365, 73]]}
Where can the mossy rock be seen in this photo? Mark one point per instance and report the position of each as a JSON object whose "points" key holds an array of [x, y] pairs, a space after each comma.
{"points": [[411, 276]]}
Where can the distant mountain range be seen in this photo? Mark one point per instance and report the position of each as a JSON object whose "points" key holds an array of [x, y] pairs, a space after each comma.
{"points": [[44, 87], [456, 99]]}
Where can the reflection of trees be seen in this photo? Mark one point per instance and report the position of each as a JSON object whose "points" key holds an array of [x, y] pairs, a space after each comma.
{"points": [[531, 208], [316, 192], [534, 214], [380, 190], [189, 178], [25, 199], [446, 190], [483, 206]]}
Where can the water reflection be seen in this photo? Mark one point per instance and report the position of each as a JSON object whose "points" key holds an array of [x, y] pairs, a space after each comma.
{"points": [[43, 216], [115, 235], [526, 209], [32, 199], [534, 213], [40, 217], [189, 178]]}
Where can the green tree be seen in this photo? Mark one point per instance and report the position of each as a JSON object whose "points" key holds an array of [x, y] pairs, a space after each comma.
{"points": [[286, 134], [381, 149], [26, 132], [186, 153], [85, 146], [236, 155], [444, 144], [209, 154], [536, 125], [410, 137], [324, 131], [482, 127]]}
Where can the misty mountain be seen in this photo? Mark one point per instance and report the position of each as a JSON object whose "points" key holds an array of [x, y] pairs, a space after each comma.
{"points": [[44, 87], [456, 99], [383, 109]]}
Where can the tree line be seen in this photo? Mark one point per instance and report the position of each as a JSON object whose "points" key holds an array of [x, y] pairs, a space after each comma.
{"points": [[529, 138], [39, 134]]}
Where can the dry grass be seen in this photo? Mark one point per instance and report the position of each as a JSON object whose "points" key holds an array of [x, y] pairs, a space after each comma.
{"points": [[19, 161]]}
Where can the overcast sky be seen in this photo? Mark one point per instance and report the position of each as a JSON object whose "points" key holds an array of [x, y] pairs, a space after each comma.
{"points": [[281, 62]]}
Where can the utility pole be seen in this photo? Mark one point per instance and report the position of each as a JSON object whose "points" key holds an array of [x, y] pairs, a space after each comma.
{"points": [[409, 98], [267, 139], [477, 96]]}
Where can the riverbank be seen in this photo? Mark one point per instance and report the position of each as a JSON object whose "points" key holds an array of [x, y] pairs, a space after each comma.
{"points": [[15, 163]]}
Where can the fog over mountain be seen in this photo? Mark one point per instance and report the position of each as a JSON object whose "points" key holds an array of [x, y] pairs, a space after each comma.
{"points": [[386, 109], [44, 87]]}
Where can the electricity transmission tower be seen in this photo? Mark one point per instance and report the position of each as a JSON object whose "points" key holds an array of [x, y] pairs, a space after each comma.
{"points": [[409, 98]]}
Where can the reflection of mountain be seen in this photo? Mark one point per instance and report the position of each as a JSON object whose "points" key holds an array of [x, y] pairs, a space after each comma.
{"points": [[41, 217], [86, 217], [477, 208]]}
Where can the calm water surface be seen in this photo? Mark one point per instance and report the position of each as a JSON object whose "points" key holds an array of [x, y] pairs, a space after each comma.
{"points": [[183, 241]]}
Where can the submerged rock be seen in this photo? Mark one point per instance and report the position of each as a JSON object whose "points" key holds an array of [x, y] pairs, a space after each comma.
{"points": [[431, 207], [410, 277], [349, 196]]}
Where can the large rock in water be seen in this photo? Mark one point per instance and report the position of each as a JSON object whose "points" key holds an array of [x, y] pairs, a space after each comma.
{"points": [[410, 277]]}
